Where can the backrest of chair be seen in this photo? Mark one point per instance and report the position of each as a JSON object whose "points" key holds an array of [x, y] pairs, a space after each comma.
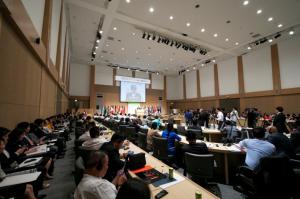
{"points": [[142, 140], [198, 132], [130, 133], [144, 130], [200, 166], [181, 130], [122, 129], [160, 148], [79, 170]]}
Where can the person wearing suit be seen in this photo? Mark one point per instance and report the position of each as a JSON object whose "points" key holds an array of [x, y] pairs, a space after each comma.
{"points": [[280, 121], [295, 140]]}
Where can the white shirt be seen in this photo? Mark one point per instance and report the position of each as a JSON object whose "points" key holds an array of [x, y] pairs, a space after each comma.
{"points": [[94, 143], [256, 149], [85, 136], [234, 116], [91, 187], [220, 116]]}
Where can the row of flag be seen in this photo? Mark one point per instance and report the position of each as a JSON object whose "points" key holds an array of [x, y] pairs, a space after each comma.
{"points": [[117, 109]]}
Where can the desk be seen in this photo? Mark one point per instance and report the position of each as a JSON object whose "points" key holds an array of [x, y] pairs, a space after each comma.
{"points": [[185, 189]]}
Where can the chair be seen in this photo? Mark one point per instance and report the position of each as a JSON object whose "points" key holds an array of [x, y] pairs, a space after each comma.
{"points": [[200, 167], [122, 129], [142, 140], [160, 149], [198, 132], [79, 170], [144, 130], [181, 130], [130, 133]]}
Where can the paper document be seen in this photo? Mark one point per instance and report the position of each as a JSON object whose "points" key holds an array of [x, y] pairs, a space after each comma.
{"points": [[19, 179]]}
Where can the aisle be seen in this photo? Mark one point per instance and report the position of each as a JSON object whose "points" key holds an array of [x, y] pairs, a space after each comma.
{"points": [[63, 185]]}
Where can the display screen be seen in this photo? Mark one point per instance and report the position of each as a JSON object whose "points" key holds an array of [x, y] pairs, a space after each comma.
{"points": [[133, 92]]}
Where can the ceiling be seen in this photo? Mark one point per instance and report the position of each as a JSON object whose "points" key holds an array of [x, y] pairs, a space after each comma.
{"points": [[124, 24]]}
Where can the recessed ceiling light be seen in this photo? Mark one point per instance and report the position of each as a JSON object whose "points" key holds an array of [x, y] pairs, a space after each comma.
{"points": [[133, 33], [128, 1], [171, 17], [96, 47], [118, 67], [291, 32], [215, 35], [245, 3], [279, 25], [115, 28], [270, 40], [94, 53], [226, 39], [136, 51], [202, 30], [214, 61], [128, 68], [202, 65], [98, 40], [101, 56], [249, 48], [188, 24], [194, 68], [100, 31], [270, 19], [188, 70], [106, 45], [236, 43], [259, 11], [122, 48], [151, 9]]}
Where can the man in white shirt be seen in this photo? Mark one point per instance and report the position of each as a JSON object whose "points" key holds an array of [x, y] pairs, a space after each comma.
{"points": [[234, 115], [92, 185], [220, 118], [257, 148], [95, 141]]}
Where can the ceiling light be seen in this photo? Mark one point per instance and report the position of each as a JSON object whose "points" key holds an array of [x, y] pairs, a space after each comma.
{"points": [[188, 24], [202, 30], [106, 45], [157, 73], [133, 33], [249, 48], [122, 48], [202, 65], [151, 9], [136, 51], [171, 17], [215, 35], [98, 40], [101, 56], [94, 53], [128, 1], [291, 32], [226, 39], [96, 47], [245, 3], [100, 31], [115, 28], [279, 25], [194, 68], [236, 43], [270, 40], [259, 11], [147, 71], [118, 67], [214, 61], [270, 19], [188, 70], [128, 68]]}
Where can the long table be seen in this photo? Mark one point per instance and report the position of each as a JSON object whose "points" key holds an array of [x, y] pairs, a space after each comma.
{"points": [[185, 189]]}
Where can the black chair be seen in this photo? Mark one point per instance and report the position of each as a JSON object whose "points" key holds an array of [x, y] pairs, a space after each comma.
{"points": [[122, 129], [160, 149], [130, 134], [181, 130], [198, 132], [142, 140], [79, 170], [200, 167], [144, 130]]}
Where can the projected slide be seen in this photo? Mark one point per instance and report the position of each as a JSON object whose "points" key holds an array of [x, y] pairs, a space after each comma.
{"points": [[133, 92]]}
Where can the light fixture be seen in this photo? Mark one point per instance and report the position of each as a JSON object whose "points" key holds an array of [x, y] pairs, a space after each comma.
{"points": [[270, 40], [188, 70], [215, 35], [157, 73], [188, 24], [245, 3], [115, 28], [214, 61], [96, 47], [118, 67], [171, 17], [151, 9], [236, 43], [194, 68], [133, 33], [202, 30], [291, 32], [128, 1], [122, 48], [75, 100], [94, 53], [98, 40], [147, 71], [259, 11], [136, 51], [106, 45], [128, 68], [279, 25], [270, 19], [226, 39], [202, 65], [249, 48]]}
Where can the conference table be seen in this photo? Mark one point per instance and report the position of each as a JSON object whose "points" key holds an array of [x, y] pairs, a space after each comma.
{"points": [[185, 188]]}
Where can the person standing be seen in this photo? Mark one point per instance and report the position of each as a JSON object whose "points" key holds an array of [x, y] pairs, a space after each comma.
{"points": [[280, 121], [220, 118], [234, 115]]}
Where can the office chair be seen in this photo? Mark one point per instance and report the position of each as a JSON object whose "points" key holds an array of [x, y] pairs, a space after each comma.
{"points": [[198, 132], [160, 150], [122, 129], [181, 130], [142, 140], [130, 134]]}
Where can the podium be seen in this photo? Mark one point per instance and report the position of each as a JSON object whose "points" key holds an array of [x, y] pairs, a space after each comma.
{"points": [[140, 112]]}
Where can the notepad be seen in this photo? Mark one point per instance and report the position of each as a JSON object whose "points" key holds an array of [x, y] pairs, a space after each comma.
{"points": [[30, 161], [19, 179]]}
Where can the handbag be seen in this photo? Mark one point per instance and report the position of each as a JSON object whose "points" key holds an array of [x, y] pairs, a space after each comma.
{"points": [[136, 161]]}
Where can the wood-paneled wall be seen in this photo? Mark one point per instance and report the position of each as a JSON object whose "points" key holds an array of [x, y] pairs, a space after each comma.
{"points": [[28, 88]]}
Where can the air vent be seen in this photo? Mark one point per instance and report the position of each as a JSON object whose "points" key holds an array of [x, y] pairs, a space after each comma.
{"points": [[184, 34], [256, 35], [198, 59], [110, 38], [104, 51], [106, 60]]}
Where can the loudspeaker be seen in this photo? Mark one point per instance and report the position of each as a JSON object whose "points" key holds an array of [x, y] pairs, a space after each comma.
{"points": [[159, 98], [37, 40]]}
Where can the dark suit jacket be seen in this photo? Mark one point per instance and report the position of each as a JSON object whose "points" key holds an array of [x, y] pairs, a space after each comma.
{"points": [[295, 141], [114, 163], [282, 144], [279, 122], [198, 148]]}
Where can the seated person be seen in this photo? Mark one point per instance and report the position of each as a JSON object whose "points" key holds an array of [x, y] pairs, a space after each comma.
{"points": [[144, 121], [281, 142], [134, 188], [171, 137], [193, 147], [195, 126], [257, 148], [86, 135], [93, 185], [151, 133], [295, 140], [17, 191], [112, 150], [230, 131], [157, 120], [95, 141]]}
